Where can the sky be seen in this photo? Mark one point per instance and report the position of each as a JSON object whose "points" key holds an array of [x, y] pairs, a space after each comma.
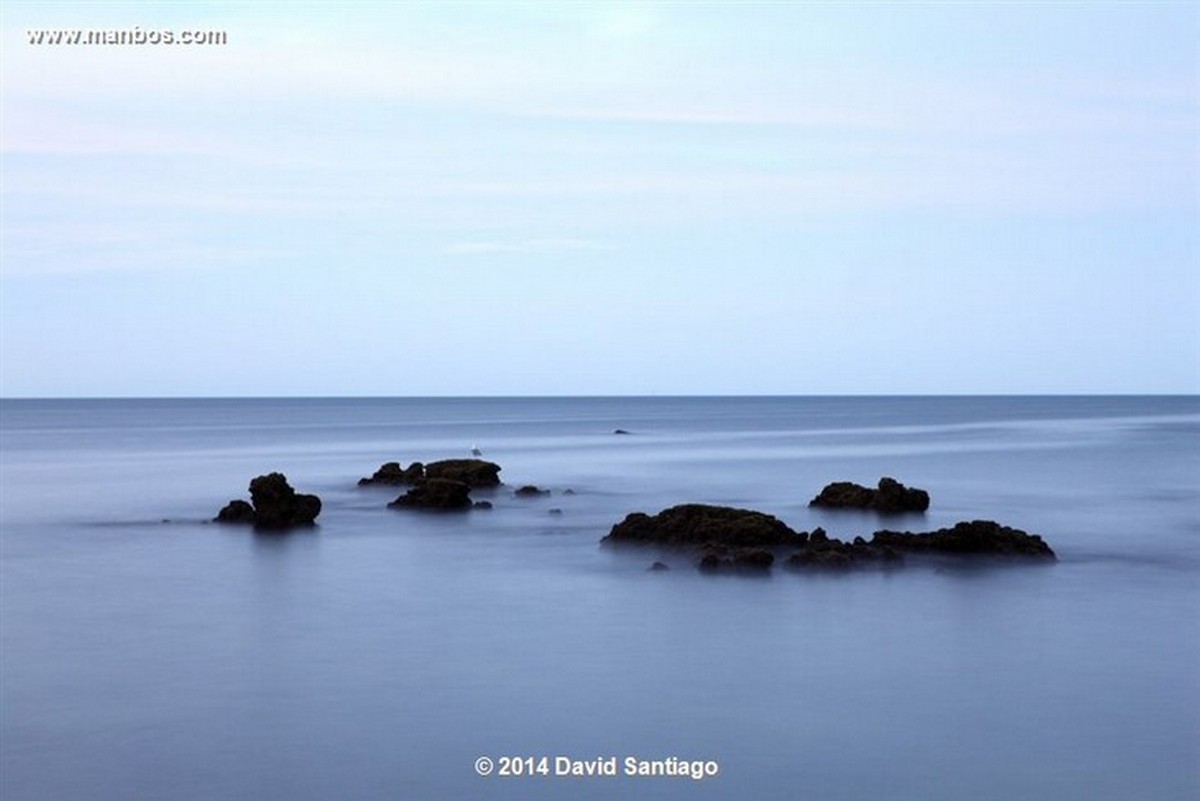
{"points": [[601, 199]]}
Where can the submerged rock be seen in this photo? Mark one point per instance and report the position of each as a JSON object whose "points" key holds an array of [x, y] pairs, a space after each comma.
{"points": [[437, 495], [273, 505], [738, 560], [391, 474], [891, 497], [530, 491]]}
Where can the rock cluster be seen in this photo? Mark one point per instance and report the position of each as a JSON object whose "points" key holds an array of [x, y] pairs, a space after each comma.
{"points": [[891, 497], [724, 539], [273, 505], [472, 472], [443, 486]]}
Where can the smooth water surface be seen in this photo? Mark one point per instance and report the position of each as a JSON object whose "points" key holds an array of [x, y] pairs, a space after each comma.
{"points": [[147, 653]]}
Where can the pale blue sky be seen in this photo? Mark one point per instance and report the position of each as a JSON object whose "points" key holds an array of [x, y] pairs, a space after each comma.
{"points": [[603, 198]]}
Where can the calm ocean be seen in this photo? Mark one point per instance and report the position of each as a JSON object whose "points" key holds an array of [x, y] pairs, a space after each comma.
{"points": [[149, 654]]}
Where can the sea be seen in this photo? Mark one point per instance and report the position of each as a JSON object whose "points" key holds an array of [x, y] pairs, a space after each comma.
{"points": [[149, 653]]}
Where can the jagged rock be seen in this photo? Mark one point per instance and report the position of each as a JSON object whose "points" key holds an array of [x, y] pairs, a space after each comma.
{"points": [[482, 505], [391, 474], [697, 524], [472, 472], [436, 494], [891, 497], [658, 567], [273, 505], [973, 537], [530, 491]]}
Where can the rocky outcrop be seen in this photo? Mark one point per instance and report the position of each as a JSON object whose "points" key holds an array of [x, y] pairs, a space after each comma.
{"points": [[391, 474], [698, 524], [891, 497], [973, 537], [724, 539], [472, 472], [273, 505], [530, 491], [436, 495]]}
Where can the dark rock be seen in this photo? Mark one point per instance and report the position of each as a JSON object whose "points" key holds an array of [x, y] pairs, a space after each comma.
{"points": [[658, 567], [273, 505], [891, 497], [753, 559], [821, 559], [472, 472], [887, 548], [555, 511], [974, 537], [530, 491], [568, 491], [236, 512], [697, 524], [482, 505], [391, 474], [436, 494], [620, 431], [738, 560]]}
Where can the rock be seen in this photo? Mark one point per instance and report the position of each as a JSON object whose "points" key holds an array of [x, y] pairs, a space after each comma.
{"points": [[436, 494], [973, 537], [891, 497], [568, 491], [698, 524], [725, 539], [887, 548], [620, 431], [472, 472], [740, 560], [530, 491], [273, 505], [658, 567], [236, 512], [820, 558], [555, 511], [391, 474], [482, 505]]}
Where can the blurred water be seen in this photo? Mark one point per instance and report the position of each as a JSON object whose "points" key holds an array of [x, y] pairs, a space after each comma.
{"points": [[149, 654]]}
